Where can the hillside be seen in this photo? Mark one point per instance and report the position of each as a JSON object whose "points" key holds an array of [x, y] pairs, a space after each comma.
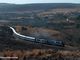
{"points": [[59, 21], [4, 7]]}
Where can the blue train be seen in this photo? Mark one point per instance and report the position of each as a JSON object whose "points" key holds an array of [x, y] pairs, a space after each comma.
{"points": [[38, 40], [9, 31], [50, 42]]}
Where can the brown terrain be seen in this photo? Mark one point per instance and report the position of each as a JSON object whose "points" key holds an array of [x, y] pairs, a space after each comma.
{"points": [[58, 23]]}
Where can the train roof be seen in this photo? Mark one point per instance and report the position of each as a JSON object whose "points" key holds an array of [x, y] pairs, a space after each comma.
{"points": [[48, 38]]}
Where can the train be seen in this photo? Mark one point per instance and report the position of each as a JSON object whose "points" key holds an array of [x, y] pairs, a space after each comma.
{"points": [[52, 42]]}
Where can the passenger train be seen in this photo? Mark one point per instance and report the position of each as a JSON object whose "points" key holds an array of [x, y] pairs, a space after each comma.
{"points": [[38, 40]]}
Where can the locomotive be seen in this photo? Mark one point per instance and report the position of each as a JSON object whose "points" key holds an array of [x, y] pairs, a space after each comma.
{"points": [[38, 40]]}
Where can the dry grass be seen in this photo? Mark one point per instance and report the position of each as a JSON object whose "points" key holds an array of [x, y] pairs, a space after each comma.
{"points": [[37, 32], [39, 53]]}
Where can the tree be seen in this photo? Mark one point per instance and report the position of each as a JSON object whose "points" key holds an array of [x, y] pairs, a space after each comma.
{"points": [[78, 18]]}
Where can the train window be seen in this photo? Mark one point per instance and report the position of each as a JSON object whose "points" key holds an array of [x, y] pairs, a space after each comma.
{"points": [[58, 42], [41, 40]]}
